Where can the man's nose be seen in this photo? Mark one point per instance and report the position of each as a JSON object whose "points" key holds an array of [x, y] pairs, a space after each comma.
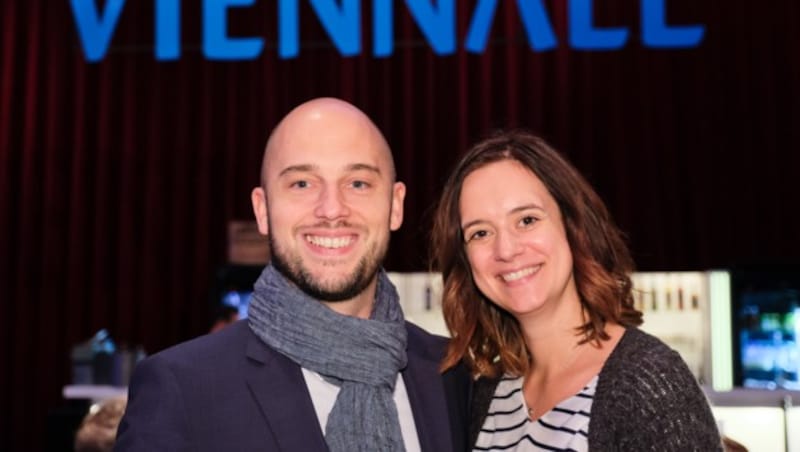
{"points": [[331, 204]]}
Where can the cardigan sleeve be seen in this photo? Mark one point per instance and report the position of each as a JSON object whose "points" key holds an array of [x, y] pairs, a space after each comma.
{"points": [[480, 400], [648, 400]]}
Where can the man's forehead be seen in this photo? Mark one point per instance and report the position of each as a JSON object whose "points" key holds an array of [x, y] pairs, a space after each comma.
{"points": [[291, 168], [338, 152], [327, 136]]}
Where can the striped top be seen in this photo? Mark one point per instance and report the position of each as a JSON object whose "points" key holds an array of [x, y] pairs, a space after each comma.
{"points": [[508, 427]]}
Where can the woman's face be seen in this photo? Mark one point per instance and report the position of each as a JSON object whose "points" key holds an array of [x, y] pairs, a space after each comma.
{"points": [[515, 239]]}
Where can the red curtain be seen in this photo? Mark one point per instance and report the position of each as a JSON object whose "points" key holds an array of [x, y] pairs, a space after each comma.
{"points": [[117, 178]]}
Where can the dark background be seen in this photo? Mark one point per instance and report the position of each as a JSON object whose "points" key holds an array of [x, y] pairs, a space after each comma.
{"points": [[118, 178]]}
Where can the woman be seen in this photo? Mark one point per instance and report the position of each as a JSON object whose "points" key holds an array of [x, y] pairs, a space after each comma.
{"points": [[537, 297]]}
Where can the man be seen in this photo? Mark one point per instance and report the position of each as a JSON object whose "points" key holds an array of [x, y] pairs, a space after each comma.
{"points": [[325, 360], [99, 427]]}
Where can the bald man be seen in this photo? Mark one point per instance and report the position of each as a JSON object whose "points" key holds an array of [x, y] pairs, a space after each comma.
{"points": [[325, 360]]}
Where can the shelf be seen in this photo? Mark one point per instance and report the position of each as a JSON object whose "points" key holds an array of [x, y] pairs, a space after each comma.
{"points": [[93, 392]]}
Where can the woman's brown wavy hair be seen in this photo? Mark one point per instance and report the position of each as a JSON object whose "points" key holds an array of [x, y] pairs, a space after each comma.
{"points": [[487, 338]]}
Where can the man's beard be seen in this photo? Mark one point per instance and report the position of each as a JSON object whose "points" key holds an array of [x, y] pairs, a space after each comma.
{"points": [[291, 267]]}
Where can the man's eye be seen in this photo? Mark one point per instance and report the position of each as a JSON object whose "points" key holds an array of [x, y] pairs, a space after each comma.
{"points": [[360, 184], [300, 184]]}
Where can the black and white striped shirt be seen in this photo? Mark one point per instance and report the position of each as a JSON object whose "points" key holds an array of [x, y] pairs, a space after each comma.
{"points": [[508, 428]]}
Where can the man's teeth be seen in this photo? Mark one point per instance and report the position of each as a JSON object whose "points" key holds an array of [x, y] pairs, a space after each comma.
{"points": [[329, 242], [513, 276]]}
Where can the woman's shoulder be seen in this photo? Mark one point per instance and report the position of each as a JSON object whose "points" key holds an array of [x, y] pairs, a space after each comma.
{"points": [[483, 390], [648, 391], [637, 348], [641, 370]]}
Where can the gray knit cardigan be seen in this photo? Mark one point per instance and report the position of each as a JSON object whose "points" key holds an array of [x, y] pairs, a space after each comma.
{"points": [[646, 400]]}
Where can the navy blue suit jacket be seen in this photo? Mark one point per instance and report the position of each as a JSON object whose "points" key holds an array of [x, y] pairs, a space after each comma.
{"points": [[230, 391]]}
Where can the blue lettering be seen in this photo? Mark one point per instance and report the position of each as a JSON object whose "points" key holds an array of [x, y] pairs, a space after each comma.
{"points": [[288, 29], [382, 28], [583, 35], [479, 26], [168, 29], [94, 28], [439, 27], [216, 43], [537, 25], [341, 20], [343, 26], [656, 32]]}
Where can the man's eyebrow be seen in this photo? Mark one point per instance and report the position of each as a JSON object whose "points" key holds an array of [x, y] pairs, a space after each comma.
{"points": [[306, 167], [364, 166], [297, 169]]}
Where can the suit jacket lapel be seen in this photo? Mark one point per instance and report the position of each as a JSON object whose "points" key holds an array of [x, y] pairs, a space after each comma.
{"points": [[427, 398], [276, 382]]}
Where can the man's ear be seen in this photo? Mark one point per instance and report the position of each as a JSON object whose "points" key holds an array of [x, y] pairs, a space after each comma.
{"points": [[259, 200], [396, 214]]}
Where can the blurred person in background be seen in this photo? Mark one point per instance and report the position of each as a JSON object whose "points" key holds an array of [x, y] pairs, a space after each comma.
{"points": [[98, 429], [225, 315]]}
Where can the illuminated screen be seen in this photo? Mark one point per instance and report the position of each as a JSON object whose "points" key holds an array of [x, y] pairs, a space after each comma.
{"points": [[237, 299], [768, 332], [233, 286]]}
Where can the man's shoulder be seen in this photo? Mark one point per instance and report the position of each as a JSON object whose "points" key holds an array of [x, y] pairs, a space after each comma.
{"points": [[424, 342], [210, 348], [416, 330]]}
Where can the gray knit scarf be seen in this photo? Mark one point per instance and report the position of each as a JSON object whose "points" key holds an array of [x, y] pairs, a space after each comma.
{"points": [[363, 356]]}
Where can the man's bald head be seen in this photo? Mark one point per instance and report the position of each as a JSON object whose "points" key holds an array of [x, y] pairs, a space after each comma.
{"points": [[321, 119], [329, 201]]}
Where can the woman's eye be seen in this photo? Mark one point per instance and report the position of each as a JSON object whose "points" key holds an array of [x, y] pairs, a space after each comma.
{"points": [[476, 235], [527, 220]]}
